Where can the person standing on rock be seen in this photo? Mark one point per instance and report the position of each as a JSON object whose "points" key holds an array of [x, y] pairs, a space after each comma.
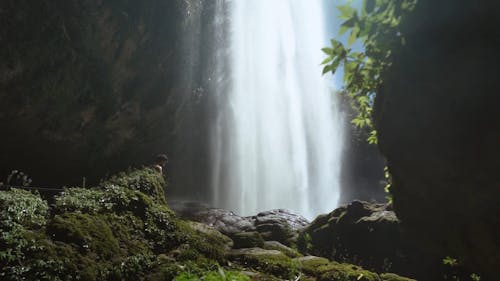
{"points": [[160, 162]]}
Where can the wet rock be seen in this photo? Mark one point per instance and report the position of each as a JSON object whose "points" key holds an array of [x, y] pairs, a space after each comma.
{"points": [[362, 233], [280, 225], [247, 240], [275, 225], [437, 122], [225, 221], [211, 232]]}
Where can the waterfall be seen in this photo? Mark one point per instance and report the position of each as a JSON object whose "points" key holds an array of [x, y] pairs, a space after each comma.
{"points": [[277, 137]]}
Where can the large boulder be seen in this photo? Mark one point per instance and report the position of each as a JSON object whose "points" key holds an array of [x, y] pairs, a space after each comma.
{"points": [[363, 233], [437, 120], [275, 225]]}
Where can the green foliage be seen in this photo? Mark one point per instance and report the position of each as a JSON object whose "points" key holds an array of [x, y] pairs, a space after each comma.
{"points": [[345, 272], [455, 272], [377, 26], [475, 277], [274, 263], [388, 184], [81, 200], [450, 261], [145, 180], [219, 275], [106, 233], [22, 208], [21, 212]]}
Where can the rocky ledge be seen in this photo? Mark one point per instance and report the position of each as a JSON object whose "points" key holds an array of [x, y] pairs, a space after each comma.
{"points": [[276, 225], [123, 229]]}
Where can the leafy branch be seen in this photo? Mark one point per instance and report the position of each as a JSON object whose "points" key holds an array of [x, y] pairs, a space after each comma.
{"points": [[377, 26]]}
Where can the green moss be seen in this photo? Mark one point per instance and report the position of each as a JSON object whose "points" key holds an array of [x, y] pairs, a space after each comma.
{"points": [[311, 264], [248, 240], [89, 233], [268, 261], [219, 275], [393, 277], [113, 232], [145, 180], [345, 272], [275, 245], [129, 231], [211, 244]]}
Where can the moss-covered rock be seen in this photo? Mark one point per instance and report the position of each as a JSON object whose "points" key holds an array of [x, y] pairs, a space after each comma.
{"points": [[325, 270], [393, 277], [275, 245], [249, 239], [363, 233], [124, 230], [88, 233], [269, 261], [116, 231], [444, 160], [146, 180], [201, 242], [310, 264], [345, 272]]}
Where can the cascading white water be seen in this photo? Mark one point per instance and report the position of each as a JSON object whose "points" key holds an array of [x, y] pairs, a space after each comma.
{"points": [[278, 138]]}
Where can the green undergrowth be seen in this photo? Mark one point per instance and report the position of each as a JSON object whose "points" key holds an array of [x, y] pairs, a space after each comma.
{"points": [[119, 230], [267, 261], [218, 275], [123, 230], [324, 270]]}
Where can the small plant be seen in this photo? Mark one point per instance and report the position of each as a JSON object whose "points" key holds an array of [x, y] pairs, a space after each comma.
{"points": [[475, 277], [450, 261], [18, 178], [388, 185]]}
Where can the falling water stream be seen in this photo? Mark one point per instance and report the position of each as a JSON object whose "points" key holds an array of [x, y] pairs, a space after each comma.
{"points": [[277, 139]]}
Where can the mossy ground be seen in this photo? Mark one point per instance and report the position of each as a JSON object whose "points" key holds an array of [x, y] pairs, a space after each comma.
{"points": [[124, 230]]}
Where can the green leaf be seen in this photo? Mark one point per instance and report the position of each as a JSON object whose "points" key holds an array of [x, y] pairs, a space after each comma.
{"points": [[327, 69], [353, 37], [327, 60], [350, 23], [328, 51], [373, 139], [343, 29], [369, 6], [346, 11]]}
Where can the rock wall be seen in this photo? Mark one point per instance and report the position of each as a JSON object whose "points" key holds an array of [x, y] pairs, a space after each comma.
{"points": [[90, 87], [438, 123], [362, 171]]}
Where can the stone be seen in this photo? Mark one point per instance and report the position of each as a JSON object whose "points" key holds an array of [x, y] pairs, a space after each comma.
{"points": [[247, 240], [275, 225], [362, 233], [275, 245]]}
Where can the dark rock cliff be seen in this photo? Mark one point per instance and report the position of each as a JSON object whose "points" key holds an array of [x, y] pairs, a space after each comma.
{"points": [[439, 127], [90, 87]]}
